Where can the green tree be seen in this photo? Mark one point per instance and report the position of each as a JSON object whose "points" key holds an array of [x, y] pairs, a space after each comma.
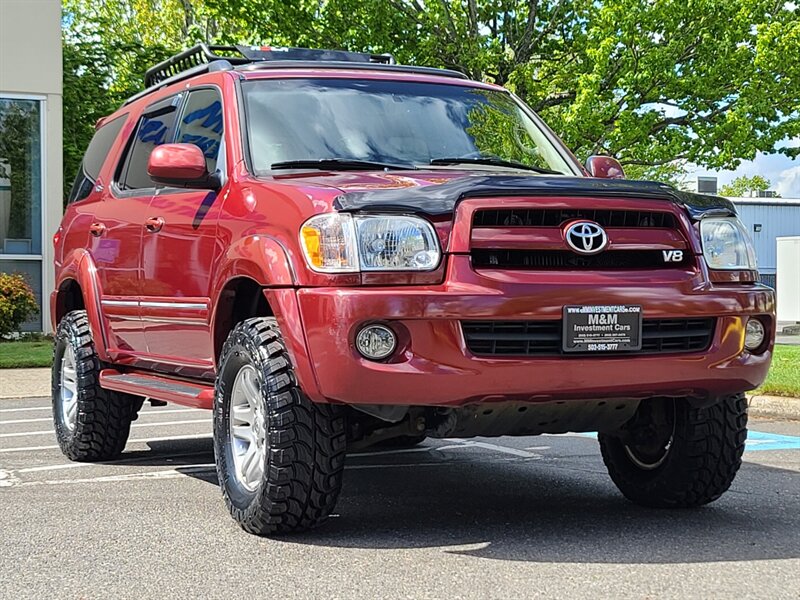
{"points": [[743, 185], [655, 83]]}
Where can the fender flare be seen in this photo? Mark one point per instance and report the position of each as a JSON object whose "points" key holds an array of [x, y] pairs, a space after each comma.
{"points": [[80, 267], [265, 260], [262, 258]]}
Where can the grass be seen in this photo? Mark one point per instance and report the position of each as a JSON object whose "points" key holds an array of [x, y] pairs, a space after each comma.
{"points": [[783, 378], [26, 353], [784, 375]]}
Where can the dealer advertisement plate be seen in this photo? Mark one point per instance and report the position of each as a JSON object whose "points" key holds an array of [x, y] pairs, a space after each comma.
{"points": [[602, 328]]}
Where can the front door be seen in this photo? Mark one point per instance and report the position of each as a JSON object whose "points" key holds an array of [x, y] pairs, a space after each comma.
{"points": [[180, 247], [119, 226]]}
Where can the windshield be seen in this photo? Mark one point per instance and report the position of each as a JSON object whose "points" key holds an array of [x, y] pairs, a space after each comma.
{"points": [[390, 122]]}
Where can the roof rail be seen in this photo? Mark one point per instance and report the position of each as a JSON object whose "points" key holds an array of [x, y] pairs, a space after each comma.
{"points": [[307, 64]]}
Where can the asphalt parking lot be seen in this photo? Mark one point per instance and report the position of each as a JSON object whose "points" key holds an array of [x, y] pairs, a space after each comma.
{"points": [[486, 518]]}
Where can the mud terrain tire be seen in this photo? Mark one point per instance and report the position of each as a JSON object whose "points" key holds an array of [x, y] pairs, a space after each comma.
{"points": [[302, 444], [701, 460], [91, 424]]}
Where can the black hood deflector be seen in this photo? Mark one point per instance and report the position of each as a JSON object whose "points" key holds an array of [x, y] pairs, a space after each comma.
{"points": [[441, 199]]}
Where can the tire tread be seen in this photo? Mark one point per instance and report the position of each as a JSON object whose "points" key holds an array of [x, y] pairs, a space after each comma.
{"points": [[307, 441], [707, 453]]}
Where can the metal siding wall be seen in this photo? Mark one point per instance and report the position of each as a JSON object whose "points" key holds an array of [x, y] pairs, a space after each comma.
{"points": [[777, 220]]}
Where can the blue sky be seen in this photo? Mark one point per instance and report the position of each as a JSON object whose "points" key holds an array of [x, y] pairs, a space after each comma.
{"points": [[782, 171]]}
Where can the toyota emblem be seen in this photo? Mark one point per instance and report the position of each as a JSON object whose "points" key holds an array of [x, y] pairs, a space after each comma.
{"points": [[586, 237]]}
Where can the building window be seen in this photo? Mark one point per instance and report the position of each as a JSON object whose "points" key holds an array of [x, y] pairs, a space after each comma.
{"points": [[20, 176]]}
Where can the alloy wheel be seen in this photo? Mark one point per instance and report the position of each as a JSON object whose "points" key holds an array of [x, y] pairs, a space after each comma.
{"points": [[248, 429]]}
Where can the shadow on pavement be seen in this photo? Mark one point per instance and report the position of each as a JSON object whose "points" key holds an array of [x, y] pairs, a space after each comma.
{"points": [[558, 510]]}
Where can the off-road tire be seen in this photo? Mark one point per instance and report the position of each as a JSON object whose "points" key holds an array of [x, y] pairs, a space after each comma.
{"points": [[104, 417], [307, 441], [701, 463]]}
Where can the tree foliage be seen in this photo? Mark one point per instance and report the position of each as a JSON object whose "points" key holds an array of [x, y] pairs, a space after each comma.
{"points": [[655, 83], [743, 186]]}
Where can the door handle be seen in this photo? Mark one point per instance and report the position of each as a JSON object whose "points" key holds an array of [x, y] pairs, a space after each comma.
{"points": [[97, 229], [154, 224]]}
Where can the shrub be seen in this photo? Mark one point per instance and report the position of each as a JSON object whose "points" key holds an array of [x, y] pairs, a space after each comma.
{"points": [[17, 303]]}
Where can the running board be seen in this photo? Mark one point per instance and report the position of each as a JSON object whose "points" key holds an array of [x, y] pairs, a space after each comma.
{"points": [[159, 387]]}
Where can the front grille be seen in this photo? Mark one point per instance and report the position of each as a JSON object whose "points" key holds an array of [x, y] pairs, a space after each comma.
{"points": [[566, 259], [555, 217], [543, 338]]}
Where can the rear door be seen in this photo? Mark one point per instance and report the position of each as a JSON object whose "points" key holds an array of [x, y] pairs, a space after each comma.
{"points": [[177, 256], [119, 227]]}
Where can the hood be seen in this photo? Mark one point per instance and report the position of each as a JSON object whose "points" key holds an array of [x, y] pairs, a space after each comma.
{"points": [[435, 193]]}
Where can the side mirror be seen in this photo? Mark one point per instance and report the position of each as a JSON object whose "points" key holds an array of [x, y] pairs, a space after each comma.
{"points": [[180, 165], [604, 167]]}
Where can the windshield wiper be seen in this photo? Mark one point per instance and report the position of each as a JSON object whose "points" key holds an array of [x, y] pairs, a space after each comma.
{"points": [[337, 164], [491, 161]]}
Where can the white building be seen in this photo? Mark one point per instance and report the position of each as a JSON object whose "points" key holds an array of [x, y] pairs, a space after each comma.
{"points": [[30, 143], [767, 218]]}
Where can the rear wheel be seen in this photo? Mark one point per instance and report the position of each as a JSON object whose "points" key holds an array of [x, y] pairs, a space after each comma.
{"points": [[279, 456], [91, 424], [673, 455]]}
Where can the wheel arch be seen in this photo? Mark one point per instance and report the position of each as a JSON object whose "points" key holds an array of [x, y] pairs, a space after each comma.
{"points": [[78, 289], [240, 298]]}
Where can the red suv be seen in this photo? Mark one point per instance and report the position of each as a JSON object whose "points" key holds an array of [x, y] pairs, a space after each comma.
{"points": [[331, 251]]}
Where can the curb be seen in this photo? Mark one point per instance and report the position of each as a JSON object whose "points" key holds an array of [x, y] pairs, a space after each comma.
{"points": [[774, 407]]}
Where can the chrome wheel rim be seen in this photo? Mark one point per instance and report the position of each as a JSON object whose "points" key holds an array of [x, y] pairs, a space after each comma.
{"points": [[68, 392], [652, 455], [248, 429], [648, 464]]}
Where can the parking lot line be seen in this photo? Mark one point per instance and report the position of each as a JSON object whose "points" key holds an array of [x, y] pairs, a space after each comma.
{"points": [[157, 424], [497, 448], [167, 438], [113, 463], [8, 410], [49, 407], [141, 414], [178, 472]]}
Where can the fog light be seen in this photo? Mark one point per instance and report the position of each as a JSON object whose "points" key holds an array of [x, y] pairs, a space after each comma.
{"points": [[376, 342], [754, 334]]}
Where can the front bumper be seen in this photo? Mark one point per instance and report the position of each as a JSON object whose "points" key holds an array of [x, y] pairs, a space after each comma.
{"points": [[436, 369]]}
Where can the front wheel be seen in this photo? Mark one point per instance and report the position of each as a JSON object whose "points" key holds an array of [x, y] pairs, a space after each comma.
{"points": [[673, 455], [279, 456]]}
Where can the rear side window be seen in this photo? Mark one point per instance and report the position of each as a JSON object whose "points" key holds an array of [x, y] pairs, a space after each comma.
{"points": [[95, 156], [156, 126], [201, 124]]}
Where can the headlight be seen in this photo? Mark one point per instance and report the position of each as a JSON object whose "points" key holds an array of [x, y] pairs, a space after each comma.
{"points": [[343, 243], [726, 244]]}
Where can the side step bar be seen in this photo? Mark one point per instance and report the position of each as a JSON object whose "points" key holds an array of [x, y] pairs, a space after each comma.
{"points": [[159, 387]]}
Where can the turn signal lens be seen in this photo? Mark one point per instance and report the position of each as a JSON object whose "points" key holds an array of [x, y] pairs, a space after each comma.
{"points": [[329, 244]]}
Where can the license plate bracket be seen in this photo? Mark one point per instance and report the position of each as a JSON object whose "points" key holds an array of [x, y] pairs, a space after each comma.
{"points": [[602, 328]]}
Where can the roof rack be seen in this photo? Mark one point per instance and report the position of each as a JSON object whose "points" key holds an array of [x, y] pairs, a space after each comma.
{"points": [[202, 54], [204, 58], [189, 60]]}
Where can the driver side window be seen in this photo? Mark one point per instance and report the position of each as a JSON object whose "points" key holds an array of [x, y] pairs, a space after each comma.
{"points": [[201, 124]]}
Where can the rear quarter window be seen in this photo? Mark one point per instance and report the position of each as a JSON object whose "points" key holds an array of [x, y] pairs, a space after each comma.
{"points": [[96, 154]]}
